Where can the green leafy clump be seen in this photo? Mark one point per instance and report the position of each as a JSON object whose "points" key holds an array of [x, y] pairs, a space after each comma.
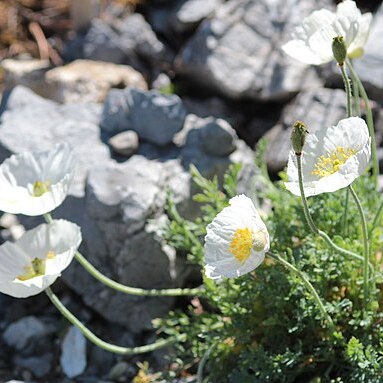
{"points": [[265, 326]]}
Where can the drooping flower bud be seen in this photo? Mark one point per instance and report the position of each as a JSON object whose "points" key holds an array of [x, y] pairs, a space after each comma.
{"points": [[339, 49], [298, 136]]}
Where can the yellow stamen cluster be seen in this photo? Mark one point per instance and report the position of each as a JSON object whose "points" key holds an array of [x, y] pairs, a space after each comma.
{"points": [[36, 268], [330, 164], [241, 244], [40, 187]]}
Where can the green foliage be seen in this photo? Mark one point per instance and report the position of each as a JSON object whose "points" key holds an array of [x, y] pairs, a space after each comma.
{"points": [[264, 326]]}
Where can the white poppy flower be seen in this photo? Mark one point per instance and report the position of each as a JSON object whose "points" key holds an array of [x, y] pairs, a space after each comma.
{"points": [[32, 263], [236, 240], [312, 40], [35, 183], [332, 158]]}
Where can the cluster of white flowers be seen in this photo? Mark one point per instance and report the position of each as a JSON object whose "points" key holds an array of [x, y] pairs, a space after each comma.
{"points": [[237, 239], [35, 183]]}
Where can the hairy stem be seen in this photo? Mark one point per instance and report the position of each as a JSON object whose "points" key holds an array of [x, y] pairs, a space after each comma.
{"points": [[308, 286], [347, 88], [370, 122], [95, 273], [101, 343], [366, 283], [311, 223]]}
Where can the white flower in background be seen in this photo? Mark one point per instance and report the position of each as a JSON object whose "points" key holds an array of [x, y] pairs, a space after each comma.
{"points": [[236, 240], [332, 158], [312, 40], [35, 183], [32, 263]]}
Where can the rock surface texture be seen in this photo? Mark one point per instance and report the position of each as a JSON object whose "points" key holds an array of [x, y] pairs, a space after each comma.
{"points": [[237, 53]]}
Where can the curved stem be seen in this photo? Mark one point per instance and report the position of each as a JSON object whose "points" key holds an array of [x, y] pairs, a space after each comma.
{"points": [[308, 286], [365, 247], [347, 87], [202, 364], [376, 218], [370, 122], [101, 343], [133, 290], [95, 273], [311, 223]]}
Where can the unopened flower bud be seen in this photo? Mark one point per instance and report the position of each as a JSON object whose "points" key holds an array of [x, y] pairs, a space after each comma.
{"points": [[339, 49], [260, 240], [298, 137]]}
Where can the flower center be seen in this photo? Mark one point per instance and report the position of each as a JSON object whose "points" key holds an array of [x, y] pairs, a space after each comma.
{"points": [[241, 244], [40, 187], [36, 268], [330, 164]]}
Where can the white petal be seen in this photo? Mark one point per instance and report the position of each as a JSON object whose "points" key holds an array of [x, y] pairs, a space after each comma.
{"points": [[362, 35], [300, 51], [59, 237], [302, 48], [348, 8], [19, 172], [219, 261], [13, 261], [350, 133]]}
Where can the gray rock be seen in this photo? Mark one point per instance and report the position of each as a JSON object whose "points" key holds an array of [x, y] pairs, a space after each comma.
{"points": [[73, 353], [214, 137], [38, 365], [237, 52], [155, 117], [120, 199], [161, 82], [191, 12], [137, 35], [317, 109], [101, 42], [194, 149], [25, 331], [370, 66], [123, 41], [46, 123], [218, 138], [124, 143]]}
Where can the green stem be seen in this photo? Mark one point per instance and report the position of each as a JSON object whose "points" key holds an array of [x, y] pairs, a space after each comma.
{"points": [[355, 89], [202, 364], [370, 122], [311, 223], [133, 290], [347, 87], [101, 343], [95, 273], [344, 217], [308, 285], [376, 219], [366, 283]]}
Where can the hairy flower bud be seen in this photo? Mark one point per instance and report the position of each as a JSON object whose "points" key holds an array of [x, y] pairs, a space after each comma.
{"points": [[339, 49], [298, 136]]}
